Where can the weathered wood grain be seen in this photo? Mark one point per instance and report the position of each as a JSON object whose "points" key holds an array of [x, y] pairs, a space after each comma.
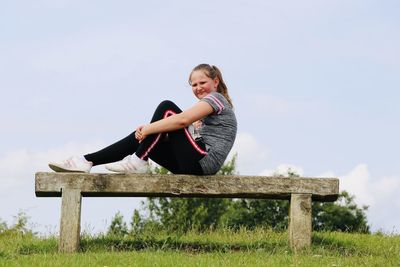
{"points": [[300, 221], [70, 226], [50, 184]]}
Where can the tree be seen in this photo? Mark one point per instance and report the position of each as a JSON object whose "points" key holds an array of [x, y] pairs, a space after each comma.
{"points": [[342, 215], [136, 222], [20, 225], [251, 213], [118, 226]]}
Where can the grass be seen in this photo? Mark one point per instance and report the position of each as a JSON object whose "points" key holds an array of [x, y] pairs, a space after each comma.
{"points": [[259, 247]]}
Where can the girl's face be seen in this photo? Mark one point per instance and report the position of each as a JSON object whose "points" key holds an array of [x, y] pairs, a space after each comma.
{"points": [[202, 85]]}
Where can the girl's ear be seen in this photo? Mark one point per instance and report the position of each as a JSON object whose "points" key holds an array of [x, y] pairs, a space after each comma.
{"points": [[216, 82]]}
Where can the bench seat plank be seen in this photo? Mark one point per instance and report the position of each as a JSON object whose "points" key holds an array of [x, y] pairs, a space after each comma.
{"points": [[50, 184]]}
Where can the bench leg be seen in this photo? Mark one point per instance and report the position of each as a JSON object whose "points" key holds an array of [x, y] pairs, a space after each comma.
{"points": [[70, 220], [300, 221]]}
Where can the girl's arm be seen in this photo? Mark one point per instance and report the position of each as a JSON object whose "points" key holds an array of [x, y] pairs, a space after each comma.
{"points": [[176, 121]]}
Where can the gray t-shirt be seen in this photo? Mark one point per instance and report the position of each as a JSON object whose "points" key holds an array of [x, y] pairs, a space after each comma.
{"points": [[218, 131]]}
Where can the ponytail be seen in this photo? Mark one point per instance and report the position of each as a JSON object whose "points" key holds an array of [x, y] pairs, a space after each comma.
{"points": [[213, 72]]}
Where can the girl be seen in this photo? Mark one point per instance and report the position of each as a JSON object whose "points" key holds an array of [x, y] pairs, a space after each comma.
{"points": [[195, 141]]}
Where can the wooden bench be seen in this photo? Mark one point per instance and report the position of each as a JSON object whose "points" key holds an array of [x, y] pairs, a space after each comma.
{"points": [[72, 186]]}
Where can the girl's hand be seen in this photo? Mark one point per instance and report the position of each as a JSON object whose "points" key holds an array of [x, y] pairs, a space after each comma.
{"points": [[139, 135], [197, 124]]}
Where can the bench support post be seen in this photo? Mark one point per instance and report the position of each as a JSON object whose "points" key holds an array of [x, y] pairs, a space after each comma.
{"points": [[70, 220], [300, 221]]}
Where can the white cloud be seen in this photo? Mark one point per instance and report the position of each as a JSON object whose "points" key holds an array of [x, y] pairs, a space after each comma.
{"points": [[18, 167], [283, 169], [358, 182], [250, 152], [379, 193]]}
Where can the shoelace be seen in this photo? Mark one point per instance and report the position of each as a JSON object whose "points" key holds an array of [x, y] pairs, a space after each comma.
{"points": [[128, 165], [69, 163]]}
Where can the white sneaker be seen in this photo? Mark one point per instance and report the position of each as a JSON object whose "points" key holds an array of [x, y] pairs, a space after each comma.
{"points": [[130, 164], [73, 164]]}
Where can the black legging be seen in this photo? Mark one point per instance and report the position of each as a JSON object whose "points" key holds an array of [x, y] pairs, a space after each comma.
{"points": [[176, 151]]}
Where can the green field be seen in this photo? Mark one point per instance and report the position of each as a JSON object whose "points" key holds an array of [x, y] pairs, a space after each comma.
{"points": [[214, 248]]}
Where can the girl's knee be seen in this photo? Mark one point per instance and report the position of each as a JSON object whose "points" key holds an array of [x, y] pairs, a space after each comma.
{"points": [[168, 105]]}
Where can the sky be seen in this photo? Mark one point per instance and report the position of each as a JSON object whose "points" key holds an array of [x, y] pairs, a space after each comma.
{"points": [[315, 85]]}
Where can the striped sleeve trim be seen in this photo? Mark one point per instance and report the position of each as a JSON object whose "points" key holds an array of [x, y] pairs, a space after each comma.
{"points": [[217, 102]]}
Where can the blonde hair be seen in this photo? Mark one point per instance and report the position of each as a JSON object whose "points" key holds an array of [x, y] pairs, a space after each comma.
{"points": [[213, 72]]}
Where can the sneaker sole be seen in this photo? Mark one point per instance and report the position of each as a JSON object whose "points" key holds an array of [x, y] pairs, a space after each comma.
{"points": [[59, 169], [127, 172]]}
